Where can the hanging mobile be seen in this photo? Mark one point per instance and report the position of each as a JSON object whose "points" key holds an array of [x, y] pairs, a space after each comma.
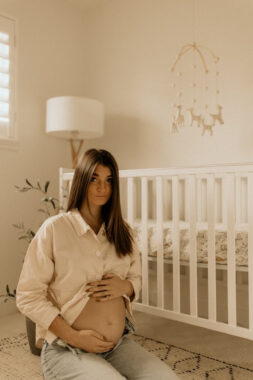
{"points": [[201, 92]]}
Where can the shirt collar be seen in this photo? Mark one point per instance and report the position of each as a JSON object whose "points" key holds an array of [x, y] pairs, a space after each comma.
{"points": [[80, 226]]}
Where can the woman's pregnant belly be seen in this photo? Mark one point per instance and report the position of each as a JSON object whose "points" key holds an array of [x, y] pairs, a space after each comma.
{"points": [[106, 317]]}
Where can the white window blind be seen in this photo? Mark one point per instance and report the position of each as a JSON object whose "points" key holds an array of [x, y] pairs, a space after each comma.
{"points": [[7, 80]]}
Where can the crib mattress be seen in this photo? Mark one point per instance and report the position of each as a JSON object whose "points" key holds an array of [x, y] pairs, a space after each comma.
{"points": [[241, 243]]}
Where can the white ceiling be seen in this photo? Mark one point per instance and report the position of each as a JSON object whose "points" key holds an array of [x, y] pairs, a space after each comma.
{"points": [[84, 4]]}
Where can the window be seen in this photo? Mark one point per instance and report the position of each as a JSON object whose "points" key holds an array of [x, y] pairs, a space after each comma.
{"points": [[7, 80]]}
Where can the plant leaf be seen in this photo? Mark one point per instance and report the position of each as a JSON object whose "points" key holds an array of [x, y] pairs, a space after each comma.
{"points": [[41, 210], [28, 183], [53, 204], [17, 226], [22, 237], [46, 186]]}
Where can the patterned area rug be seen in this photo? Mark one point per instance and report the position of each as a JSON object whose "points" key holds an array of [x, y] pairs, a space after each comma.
{"points": [[17, 363]]}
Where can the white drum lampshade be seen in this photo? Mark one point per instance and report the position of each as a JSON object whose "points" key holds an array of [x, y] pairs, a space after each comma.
{"points": [[75, 118]]}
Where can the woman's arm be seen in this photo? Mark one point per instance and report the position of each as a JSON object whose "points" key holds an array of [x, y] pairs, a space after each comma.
{"points": [[62, 329], [37, 272]]}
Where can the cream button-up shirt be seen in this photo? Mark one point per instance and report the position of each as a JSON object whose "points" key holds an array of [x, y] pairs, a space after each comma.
{"points": [[62, 258]]}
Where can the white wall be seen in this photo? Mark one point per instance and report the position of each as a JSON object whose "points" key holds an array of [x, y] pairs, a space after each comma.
{"points": [[132, 45], [51, 62]]}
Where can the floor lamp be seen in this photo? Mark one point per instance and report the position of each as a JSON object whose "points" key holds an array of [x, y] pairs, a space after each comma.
{"points": [[75, 118]]}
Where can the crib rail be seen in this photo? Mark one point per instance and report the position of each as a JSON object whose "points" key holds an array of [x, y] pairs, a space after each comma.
{"points": [[250, 249], [213, 196]]}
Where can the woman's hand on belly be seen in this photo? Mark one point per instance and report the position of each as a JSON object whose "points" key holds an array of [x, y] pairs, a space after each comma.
{"points": [[110, 287], [91, 341]]}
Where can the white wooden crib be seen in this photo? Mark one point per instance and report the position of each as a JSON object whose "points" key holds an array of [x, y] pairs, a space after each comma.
{"points": [[206, 204]]}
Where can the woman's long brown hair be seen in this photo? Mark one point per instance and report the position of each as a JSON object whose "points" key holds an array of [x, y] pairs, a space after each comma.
{"points": [[118, 231]]}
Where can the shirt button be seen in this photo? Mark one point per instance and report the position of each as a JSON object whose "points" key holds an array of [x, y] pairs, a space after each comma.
{"points": [[98, 253]]}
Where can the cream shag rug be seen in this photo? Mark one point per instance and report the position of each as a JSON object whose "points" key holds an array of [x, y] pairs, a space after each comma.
{"points": [[17, 363]]}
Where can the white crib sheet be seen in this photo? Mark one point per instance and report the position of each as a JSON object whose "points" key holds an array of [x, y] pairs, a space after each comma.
{"points": [[241, 243]]}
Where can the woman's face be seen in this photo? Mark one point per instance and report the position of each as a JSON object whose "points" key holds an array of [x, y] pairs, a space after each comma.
{"points": [[100, 187]]}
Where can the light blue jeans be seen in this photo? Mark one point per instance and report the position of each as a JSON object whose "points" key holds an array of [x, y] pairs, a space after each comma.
{"points": [[127, 360]]}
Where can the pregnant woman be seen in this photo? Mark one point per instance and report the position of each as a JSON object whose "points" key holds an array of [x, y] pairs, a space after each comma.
{"points": [[81, 273]]}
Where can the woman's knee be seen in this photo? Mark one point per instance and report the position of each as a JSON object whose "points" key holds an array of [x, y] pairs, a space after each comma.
{"points": [[137, 363]]}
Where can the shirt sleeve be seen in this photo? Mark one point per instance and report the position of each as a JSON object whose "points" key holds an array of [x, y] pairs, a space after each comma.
{"points": [[37, 272], [134, 273]]}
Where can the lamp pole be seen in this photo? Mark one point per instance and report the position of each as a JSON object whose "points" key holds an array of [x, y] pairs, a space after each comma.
{"points": [[75, 153]]}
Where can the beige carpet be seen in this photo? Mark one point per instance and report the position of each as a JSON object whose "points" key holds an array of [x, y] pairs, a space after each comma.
{"points": [[17, 363]]}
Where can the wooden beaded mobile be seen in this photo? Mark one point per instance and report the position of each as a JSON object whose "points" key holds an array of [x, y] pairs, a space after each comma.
{"points": [[196, 90]]}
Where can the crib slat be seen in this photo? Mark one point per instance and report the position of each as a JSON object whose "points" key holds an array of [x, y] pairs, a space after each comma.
{"points": [[191, 206], [244, 209], [176, 244], [130, 201], [186, 192], [224, 201], [199, 200], [250, 248], [238, 198], [159, 224], [144, 239], [211, 249], [231, 269]]}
